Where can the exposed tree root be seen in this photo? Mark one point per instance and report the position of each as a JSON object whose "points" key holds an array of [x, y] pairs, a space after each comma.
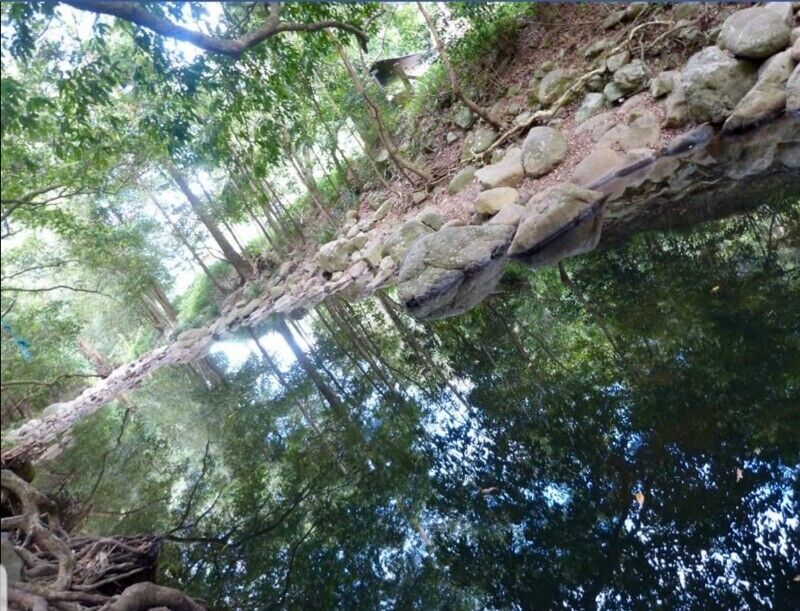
{"points": [[74, 572]]}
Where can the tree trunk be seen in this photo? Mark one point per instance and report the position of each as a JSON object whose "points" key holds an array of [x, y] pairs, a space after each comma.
{"points": [[311, 186], [337, 407], [401, 162], [183, 239], [455, 84], [229, 252]]}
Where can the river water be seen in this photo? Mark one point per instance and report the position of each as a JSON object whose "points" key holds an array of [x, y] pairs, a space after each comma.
{"points": [[620, 434]]}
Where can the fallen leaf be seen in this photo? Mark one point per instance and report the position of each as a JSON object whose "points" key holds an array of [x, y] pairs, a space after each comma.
{"points": [[739, 474], [639, 496], [489, 490]]}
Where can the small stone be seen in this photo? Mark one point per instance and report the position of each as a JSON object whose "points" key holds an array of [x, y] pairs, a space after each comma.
{"points": [[482, 139], [430, 217], [513, 90], [510, 214], [641, 131], [592, 104], [522, 118], [419, 196], [492, 201], [632, 77], [333, 256], [544, 148], [374, 200], [635, 9], [597, 47], [614, 18], [373, 254], [381, 212], [685, 10], [616, 61], [508, 173], [755, 33], [597, 164], [613, 92], [596, 82], [676, 113], [497, 155], [553, 85], [450, 137], [542, 69], [464, 118], [663, 83], [461, 179], [597, 125]]}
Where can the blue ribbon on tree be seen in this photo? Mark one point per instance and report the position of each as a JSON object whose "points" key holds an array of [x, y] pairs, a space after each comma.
{"points": [[22, 344]]}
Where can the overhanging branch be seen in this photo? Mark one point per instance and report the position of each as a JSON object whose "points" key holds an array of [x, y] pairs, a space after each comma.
{"points": [[232, 47]]}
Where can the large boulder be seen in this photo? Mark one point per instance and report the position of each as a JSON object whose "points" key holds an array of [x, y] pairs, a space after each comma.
{"points": [[492, 201], [755, 33], [543, 149], [560, 222], [506, 173], [767, 98], [713, 83], [448, 272]]}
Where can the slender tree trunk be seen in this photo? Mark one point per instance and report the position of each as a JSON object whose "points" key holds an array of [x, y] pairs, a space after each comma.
{"points": [[311, 186], [370, 159], [455, 84], [307, 415], [401, 162], [183, 239], [408, 335], [337, 407], [229, 252]]}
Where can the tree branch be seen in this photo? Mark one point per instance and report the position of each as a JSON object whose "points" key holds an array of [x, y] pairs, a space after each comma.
{"points": [[53, 383], [19, 289], [233, 47]]}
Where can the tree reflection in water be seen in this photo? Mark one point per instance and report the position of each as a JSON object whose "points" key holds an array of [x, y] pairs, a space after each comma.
{"points": [[620, 433]]}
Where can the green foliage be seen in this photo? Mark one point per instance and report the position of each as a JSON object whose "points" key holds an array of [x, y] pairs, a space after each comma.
{"points": [[199, 303], [489, 41]]}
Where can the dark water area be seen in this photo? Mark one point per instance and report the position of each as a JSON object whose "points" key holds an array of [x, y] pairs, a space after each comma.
{"points": [[619, 433]]}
